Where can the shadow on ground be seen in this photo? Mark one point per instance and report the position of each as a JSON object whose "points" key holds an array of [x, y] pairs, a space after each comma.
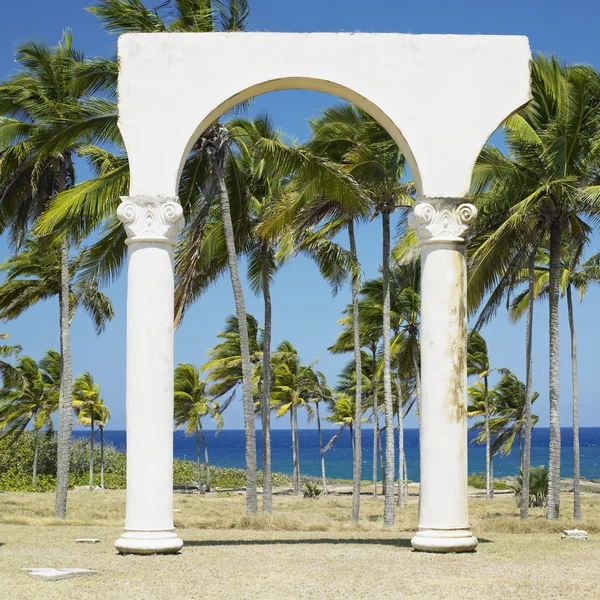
{"points": [[379, 542]]}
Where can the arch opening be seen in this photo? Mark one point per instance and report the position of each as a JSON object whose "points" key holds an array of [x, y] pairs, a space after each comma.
{"points": [[310, 84]]}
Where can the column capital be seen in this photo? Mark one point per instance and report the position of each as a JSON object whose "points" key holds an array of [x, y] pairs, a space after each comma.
{"points": [[151, 219], [441, 220]]}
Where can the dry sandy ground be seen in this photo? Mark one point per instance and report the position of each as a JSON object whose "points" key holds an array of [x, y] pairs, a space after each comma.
{"points": [[307, 550]]}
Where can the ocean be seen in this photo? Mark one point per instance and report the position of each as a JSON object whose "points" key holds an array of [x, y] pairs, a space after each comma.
{"points": [[227, 450]]}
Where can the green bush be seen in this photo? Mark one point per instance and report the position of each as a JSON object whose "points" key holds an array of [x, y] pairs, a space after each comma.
{"points": [[16, 467], [311, 490], [477, 480], [538, 486]]}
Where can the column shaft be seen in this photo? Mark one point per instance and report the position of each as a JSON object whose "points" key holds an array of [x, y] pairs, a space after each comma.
{"points": [[149, 517], [443, 518]]}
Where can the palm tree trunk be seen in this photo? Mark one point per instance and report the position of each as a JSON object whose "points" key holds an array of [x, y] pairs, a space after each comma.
{"points": [[357, 454], [92, 452], [524, 505], [297, 463], [520, 438], [266, 396], [577, 514], [375, 424], [323, 474], [206, 461], [102, 457], [240, 308], [352, 442], [553, 505], [381, 460], [294, 459], [200, 486], [417, 369], [36, 435], [388, 484], [400, 444], [489, 487], [65, 403]]}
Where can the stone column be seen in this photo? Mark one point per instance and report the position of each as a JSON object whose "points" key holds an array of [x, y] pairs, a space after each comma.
{"points": [[153, 225], [441, 224]]}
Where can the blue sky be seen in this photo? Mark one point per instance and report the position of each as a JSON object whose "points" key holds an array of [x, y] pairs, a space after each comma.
{"points": [[303, 310]]}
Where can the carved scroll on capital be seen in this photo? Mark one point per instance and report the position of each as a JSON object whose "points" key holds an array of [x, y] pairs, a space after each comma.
{"points": [[441, 220], [150, 219]]}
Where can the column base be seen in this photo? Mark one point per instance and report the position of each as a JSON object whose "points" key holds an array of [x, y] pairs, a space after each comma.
{"points": [[149, 542], [444, 540]]}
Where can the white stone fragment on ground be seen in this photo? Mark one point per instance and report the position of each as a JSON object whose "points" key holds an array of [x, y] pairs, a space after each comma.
{"points": [[176, 510], [574, 534], [88, 541], [51, 574]]}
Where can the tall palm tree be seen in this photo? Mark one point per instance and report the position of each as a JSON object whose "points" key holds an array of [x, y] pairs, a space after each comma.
{"points": [[508, 423], [294, 386], [370, 336], [404, 347], [216, 147], [90, 410], [379, 166], [575, 274], [46, 116], [29, 396], [102, 419], [192, 404], [543, 189], [478, 364], [37, 273], [98, 200], [322, 393], [334, 134]]}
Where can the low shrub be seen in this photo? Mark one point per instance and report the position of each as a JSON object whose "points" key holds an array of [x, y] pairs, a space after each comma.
{"points": [[538, 486], [16, 468], [311, 490], [477, 480]]}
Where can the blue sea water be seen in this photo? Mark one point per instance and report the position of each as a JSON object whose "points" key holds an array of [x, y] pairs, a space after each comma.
{"points": [[227, 449]]}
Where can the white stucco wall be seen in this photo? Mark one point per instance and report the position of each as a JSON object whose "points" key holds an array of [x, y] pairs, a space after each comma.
{"points": [[439, 96]]}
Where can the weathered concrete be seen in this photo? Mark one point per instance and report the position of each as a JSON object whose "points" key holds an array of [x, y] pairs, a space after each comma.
{"points": [[574, 534], [439, 96]]}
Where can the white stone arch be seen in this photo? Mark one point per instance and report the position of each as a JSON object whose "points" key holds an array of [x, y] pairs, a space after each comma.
{"points": [[439, 96], [316, 85]]}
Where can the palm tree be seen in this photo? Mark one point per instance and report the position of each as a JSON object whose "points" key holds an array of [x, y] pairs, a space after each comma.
{"points": [[478, 364], [97, 200], [294, 386], [29, 396], [37, 273], [343, 413], [102, 419], [541, 191], [334, 134], [90, 410], [217, 149], [377, 163], [322, 392], [370, 335], [191, 404], [508, 423], [404, 347], [578, 275], [224, 365], [46, 117]]}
